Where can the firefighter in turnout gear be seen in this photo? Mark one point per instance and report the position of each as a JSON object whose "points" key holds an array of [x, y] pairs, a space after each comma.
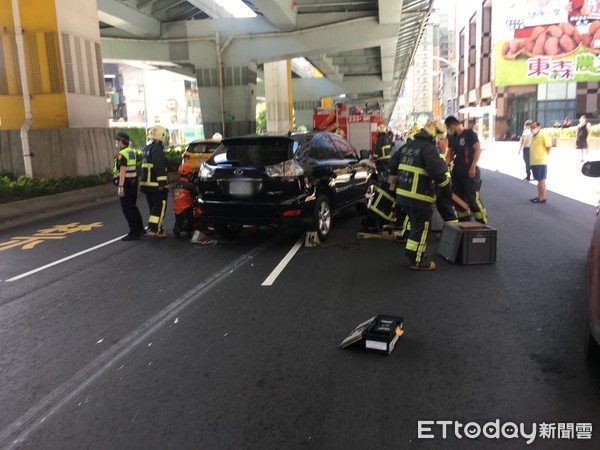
{"points": [[125, 177], [154, 180], [419, 170], [382, 152]]}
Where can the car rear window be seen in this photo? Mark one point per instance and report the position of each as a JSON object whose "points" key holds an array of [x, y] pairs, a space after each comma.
{"points": [[254, 152], [202, 147]]}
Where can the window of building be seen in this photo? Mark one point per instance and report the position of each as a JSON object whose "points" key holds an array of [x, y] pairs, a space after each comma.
{"points": [[486, 46], [472, 55], [557, 91]]}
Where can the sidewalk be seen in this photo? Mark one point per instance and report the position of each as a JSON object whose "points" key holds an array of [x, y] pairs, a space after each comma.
{"points": [[564, 169]]}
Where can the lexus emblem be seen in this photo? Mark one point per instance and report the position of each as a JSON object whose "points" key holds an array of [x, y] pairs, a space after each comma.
{"points": [[238, 172]]}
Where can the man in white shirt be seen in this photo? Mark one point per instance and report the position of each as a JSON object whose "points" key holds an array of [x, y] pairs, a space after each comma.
{"points": [[525, 145]]}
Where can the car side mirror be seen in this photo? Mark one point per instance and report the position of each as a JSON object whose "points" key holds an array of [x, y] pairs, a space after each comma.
{"points": [[364, 154], [591, 169]]}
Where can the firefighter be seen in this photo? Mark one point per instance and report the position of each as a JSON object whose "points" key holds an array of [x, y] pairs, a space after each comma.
{"points": [[419, 168], [184, 194], [463, 153], [125, 177], [154, 180], [382, 152]]}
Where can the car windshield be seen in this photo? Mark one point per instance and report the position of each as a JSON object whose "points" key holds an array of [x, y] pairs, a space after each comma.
{"points": [[257, 152], [202, 147]]}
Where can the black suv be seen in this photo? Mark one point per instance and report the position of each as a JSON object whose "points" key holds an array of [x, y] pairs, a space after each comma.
{"points": [[277, 179]]}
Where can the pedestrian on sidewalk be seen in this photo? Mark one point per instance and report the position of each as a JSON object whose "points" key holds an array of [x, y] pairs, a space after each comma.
{"points": [[581, 142], [464, 150], [126, 179], [540, 149], [524, 146]]}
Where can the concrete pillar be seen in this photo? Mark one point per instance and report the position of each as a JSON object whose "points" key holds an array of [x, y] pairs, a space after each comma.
{"points": [[278, 92], [239, 100], [64, 65]]}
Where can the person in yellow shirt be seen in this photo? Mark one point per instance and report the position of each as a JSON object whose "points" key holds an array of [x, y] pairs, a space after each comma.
{"points": [[538, 153]]}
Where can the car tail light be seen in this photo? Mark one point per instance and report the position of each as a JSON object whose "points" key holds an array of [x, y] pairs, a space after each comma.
{"points": [[292, 213], [287, 170], [206, 172]]}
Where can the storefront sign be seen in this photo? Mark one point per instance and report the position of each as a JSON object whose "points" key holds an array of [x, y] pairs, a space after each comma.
{"points": [[546, 41]]}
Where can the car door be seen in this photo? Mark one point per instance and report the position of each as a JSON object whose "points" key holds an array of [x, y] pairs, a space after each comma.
{"points": [[331, 168], [358, 173]]}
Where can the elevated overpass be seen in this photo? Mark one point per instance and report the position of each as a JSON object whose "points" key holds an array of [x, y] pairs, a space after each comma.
{"points": [[363, 47], [52, 87]]}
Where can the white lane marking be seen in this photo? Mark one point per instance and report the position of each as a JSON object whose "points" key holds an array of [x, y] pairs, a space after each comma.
{"points": [[60, 261], [284, 262], [17, 432]]}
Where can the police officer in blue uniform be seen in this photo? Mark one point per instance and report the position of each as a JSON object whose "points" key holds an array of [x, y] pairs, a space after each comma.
{"points": [[125, 177]]}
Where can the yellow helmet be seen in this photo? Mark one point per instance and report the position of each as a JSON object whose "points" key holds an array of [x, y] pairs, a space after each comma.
{"points": [[158, 133], [436, 129], [340, 132], [381, 128], [411, 133]]}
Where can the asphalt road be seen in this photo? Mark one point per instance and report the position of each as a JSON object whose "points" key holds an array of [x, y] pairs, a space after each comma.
{"points": [[166, 344]]}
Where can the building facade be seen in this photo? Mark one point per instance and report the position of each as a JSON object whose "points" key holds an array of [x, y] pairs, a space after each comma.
{"points": [[499, 112]]}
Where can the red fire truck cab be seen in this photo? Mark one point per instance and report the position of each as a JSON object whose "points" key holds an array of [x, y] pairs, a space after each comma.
{"points": [[358, 124]]}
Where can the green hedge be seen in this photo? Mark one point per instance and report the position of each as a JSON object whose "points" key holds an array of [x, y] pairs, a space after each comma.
{"points": [[22, 187], [136, 134], [172, 154], [570, 133], [13, 187]]}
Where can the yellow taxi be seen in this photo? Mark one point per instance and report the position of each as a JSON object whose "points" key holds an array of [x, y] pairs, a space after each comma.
{"points": [[199, 151]]}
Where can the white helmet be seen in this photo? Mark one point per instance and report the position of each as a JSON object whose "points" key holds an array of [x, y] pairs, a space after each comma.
{"points": [[158, 133], [381, 128], [217, 136]]}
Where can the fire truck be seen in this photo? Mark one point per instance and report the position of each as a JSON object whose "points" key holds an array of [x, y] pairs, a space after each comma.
{"points": [[359, 125]]}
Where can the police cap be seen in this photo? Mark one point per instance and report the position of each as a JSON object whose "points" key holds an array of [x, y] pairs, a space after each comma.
{"points": [[122, 137]]}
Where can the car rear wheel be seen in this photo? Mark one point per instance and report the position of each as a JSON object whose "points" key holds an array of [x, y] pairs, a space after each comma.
{"points": [[228, 230], [322, 217], [591, 349]]}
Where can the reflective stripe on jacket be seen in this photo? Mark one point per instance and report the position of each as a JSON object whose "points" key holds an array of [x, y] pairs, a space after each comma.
{"points": [[129, 155], [420, 166], [154, 168], [386, 152]]}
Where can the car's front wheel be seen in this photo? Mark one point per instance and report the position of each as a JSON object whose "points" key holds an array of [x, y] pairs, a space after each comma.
{"points": [[228, 230], [322, 217]]}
